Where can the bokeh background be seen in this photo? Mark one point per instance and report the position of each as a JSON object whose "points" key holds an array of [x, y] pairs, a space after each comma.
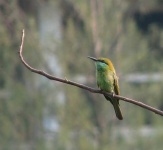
{"points": [[39, 114]]}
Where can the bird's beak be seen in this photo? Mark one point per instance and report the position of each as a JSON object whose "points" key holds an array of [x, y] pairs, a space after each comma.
{"points": [[94, 59]]}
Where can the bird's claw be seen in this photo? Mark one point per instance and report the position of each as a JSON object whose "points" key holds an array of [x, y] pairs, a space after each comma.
{"points": [[66, 79], [113, 94]]}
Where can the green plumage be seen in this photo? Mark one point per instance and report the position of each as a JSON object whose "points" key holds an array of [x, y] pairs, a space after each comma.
{"points": [[108, 81]]}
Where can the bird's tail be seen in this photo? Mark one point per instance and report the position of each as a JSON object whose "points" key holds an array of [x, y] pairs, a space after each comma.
{"points": [[115, 103], [117, 110]]}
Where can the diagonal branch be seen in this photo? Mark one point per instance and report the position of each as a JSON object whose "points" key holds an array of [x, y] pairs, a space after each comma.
{"points": [[93, 90]]}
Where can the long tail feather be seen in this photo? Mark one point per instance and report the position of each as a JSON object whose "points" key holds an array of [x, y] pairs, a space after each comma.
{"points": [[117, 111], [115, 104]]}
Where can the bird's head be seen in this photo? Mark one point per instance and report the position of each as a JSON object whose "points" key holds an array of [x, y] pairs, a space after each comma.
{"points": [[103, 64]]}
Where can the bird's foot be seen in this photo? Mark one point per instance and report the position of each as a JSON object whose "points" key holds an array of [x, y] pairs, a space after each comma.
{"points": [[101, 90], [113, 94]]}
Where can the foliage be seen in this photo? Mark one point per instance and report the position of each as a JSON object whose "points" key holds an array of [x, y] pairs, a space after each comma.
{"points": [[21, 108], [86, 121]]}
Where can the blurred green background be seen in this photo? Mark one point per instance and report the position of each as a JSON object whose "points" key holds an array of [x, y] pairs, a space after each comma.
{"points": [[39, 114]]}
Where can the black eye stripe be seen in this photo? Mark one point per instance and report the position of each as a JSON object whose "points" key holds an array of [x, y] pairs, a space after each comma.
{"points": [[103, 62]]}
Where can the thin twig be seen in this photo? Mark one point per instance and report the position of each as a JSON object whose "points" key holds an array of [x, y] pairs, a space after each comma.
{"points": [[93, 90]]}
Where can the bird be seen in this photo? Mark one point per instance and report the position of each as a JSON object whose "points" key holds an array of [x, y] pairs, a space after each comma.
{"points": [[107, 81]]}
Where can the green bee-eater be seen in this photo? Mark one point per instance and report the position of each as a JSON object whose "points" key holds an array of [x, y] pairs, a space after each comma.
{"points": [[108, 81]]}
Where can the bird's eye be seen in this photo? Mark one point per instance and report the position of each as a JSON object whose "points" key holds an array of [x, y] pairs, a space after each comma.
{"points": [[104, 62]]}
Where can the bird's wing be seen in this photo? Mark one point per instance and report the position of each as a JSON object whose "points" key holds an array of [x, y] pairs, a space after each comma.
{"points": [[116, 85]]}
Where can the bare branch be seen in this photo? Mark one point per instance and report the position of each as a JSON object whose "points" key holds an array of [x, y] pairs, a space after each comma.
{"points": [[93, 90]]}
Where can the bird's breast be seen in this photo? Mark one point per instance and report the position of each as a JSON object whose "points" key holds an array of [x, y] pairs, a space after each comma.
{"points": [[105, 81]]}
